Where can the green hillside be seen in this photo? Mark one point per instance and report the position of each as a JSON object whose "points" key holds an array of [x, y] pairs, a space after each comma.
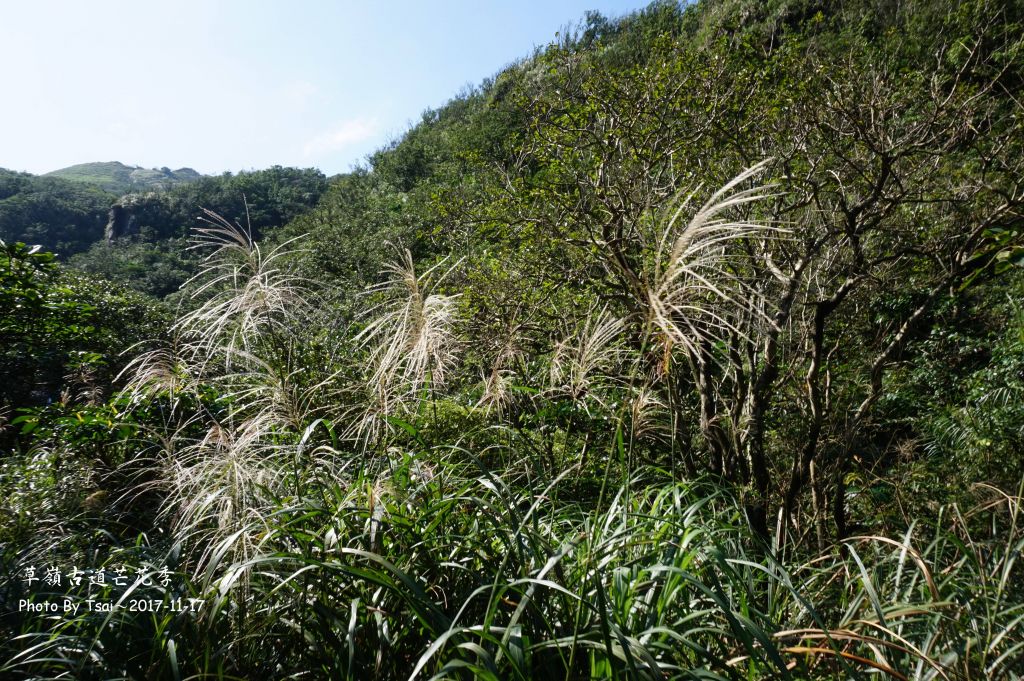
{"points": [[140, 239], [690, 346], [60, 215], [118, 178]]}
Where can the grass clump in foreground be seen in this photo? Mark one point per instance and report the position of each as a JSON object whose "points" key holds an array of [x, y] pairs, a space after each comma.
{"points": [[423, 570]]}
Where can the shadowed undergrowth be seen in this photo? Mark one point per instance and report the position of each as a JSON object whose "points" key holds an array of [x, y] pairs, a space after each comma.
{"points": [[424, 571]]}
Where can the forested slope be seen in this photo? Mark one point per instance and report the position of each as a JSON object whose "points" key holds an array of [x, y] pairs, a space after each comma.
{"points": [[139, 239], [59, 215], [891, 145], [689, 346]]}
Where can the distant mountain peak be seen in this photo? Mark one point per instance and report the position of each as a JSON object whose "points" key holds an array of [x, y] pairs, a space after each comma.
{"points": [[118, 178]]}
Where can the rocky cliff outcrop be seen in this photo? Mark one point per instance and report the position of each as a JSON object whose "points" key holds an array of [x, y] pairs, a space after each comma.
{"points": [[119, 223], [131, 212]]}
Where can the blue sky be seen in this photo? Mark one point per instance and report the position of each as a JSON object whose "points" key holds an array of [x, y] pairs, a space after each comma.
{"points": [[245, 84]]}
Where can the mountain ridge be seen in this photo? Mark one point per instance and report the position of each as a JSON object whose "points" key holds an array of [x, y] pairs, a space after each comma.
{"points": [[119, 178]]}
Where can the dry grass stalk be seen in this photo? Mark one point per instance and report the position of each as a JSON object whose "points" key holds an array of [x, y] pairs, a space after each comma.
{"points": [[697, 278], [250, 296], [412, 342], [585, 358]]}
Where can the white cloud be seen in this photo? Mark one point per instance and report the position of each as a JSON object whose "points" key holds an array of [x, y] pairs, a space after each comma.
{"points": [[344, 134]]}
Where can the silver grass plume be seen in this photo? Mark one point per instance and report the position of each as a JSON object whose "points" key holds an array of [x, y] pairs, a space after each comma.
{"points": [[498, 381], [237, 341], [251, 294], [647, 413], [694, 281], [583, 358], [412, 340]]}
